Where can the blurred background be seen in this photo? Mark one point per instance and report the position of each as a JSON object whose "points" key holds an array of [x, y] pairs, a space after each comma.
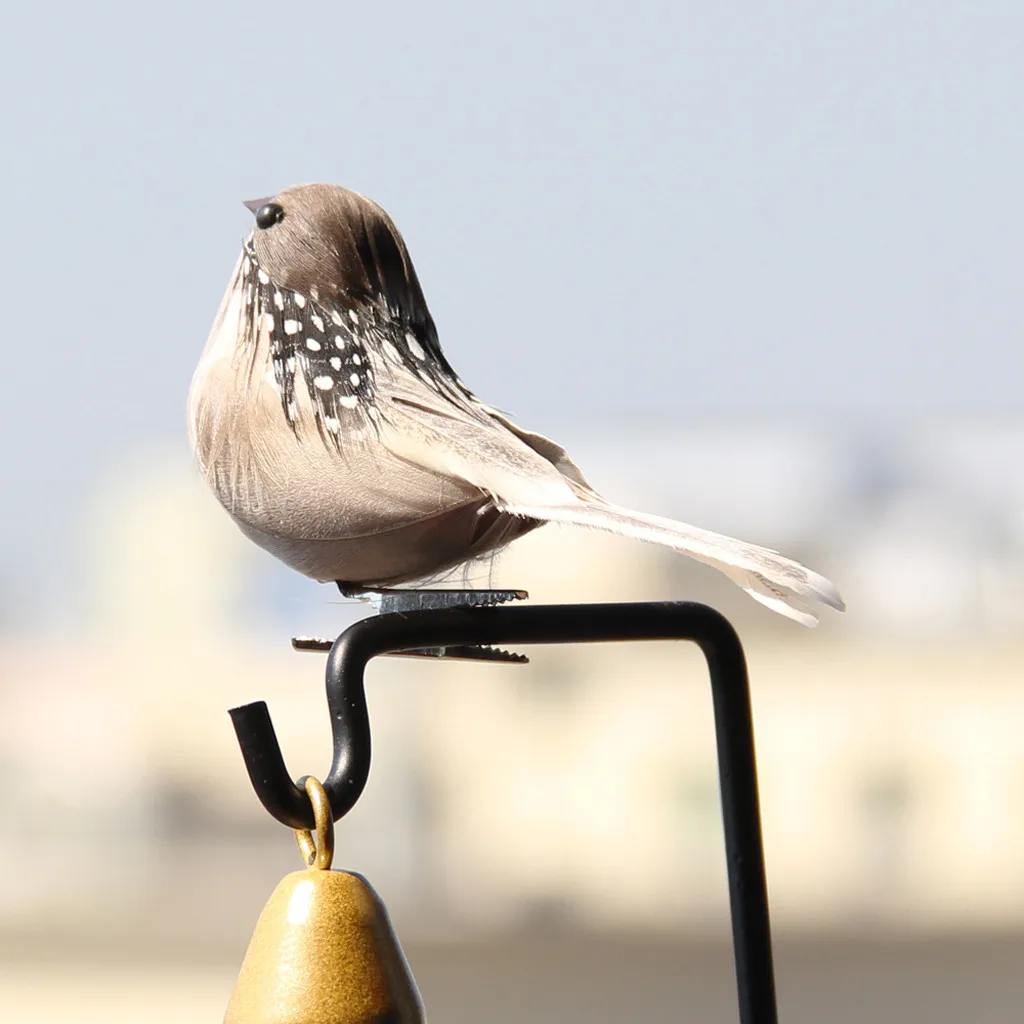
{"points": [[757, 267]]}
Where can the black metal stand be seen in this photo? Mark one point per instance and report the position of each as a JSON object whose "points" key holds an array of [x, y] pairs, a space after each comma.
{"points": [[552, 624]]}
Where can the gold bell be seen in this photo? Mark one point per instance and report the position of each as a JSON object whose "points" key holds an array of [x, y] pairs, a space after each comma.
{"points": [[324, 951]]}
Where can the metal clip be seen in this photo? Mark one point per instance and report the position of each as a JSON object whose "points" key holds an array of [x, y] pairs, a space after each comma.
{"points": [[386, 602]]}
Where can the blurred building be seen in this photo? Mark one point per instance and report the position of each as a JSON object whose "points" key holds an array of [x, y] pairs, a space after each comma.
{"points": [[581, 790]]}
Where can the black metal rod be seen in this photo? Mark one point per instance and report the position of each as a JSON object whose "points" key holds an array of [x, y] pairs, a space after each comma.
{"points": [[540, 624]]}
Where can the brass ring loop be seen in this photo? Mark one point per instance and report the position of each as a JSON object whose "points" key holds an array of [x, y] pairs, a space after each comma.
{"points": [[317, 854]]}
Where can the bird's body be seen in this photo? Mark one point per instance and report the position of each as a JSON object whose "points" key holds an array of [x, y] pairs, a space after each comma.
{"points": [[331, 427]]}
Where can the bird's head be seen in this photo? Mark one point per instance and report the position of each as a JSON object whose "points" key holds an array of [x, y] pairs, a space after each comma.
{"points": [[329, 296], [337, 247]]}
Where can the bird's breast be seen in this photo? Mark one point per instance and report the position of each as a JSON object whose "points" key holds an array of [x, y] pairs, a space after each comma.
{"points": [[298, 484]]}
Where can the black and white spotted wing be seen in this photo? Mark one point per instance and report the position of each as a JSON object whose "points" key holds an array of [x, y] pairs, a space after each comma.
{"points": [[340, 353], [324, 346]]}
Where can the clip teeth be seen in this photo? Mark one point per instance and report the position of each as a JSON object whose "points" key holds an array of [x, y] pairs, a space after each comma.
{"points": [[466, 652], [387, 601], [461, 652]]}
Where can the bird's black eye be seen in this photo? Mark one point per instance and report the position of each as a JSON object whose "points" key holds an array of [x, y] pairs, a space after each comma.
{"points": [[269, 215]]}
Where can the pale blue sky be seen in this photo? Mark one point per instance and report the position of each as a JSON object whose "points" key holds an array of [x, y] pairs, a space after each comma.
{"points": [[665, 209]]}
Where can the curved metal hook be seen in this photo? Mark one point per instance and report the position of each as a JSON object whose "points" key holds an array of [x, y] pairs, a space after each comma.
{"points": [[383, 634], [350, 765], [539, 624]]}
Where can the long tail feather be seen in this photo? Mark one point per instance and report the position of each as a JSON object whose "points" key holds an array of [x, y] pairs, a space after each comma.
{"points": [[779, 583]]}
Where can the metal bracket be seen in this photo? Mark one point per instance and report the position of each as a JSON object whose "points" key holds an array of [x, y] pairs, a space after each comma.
{"points": [[553, 624]]}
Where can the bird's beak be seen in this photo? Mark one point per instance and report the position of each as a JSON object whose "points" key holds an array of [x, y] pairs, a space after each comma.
{"points": [[254, 205]]}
